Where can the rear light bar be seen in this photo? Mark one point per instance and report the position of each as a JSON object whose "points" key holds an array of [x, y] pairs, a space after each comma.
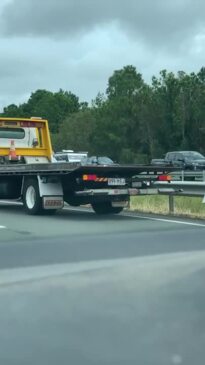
{"points": [[95, 178], [27, 124], [8, 123], [164, 178], [23, 124]]}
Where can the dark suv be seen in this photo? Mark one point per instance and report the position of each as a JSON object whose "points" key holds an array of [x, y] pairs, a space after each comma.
{"points": [[186, 159]]}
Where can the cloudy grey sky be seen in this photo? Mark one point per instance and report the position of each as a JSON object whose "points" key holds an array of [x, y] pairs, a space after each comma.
{"points": [[77, 44]]}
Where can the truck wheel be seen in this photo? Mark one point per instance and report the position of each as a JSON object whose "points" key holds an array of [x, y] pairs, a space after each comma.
{"points": [[106, 208], [31, 198]]}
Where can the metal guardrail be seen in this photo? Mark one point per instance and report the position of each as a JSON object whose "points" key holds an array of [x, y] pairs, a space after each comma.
{"points": [[185, 175], [179, 175], [182, 187], [183, 182]]}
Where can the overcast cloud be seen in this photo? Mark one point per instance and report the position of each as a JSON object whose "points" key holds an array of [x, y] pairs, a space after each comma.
{"points": [[77, 44]]}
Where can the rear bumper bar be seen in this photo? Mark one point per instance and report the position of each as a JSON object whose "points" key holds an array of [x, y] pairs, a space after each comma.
{"points": [[122, 192]]}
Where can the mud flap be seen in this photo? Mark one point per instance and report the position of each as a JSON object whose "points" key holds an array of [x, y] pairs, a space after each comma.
{"points": [[51, 191]]}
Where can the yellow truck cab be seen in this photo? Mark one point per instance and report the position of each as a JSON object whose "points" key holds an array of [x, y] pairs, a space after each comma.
{"points": [[29, 137]]}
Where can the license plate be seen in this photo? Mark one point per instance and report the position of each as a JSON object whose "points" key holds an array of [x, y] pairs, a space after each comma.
{"points": [[116, 181]]}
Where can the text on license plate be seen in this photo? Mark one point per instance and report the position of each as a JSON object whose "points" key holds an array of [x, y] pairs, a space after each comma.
{"points": [[116, 181]]}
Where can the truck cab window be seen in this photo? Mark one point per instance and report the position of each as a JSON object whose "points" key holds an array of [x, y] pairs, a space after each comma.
{"points": [[12, 133]]}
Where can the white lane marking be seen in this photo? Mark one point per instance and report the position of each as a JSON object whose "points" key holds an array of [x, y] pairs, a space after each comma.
{"points": [[164, 220], [2, 227], [126, 214], [175, 265]]}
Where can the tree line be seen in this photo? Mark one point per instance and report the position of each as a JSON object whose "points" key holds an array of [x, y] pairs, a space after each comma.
{"points": [[133, 121]]}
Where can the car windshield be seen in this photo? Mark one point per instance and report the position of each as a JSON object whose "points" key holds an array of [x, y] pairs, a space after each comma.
{"points": [[105, 161], [12, 133], [102, 160], [194, 155]]}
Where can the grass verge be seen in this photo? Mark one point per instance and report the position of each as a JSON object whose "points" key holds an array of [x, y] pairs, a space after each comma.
{"points": [[184, 206]]}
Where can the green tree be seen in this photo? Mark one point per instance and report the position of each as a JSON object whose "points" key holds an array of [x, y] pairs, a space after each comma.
{"points": [[124, 83], [76, 132], [12, 110], [132, 121], [52, 106], [117, 119]]}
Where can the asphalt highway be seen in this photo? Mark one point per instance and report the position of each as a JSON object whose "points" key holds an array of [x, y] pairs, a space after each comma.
{"points": [[77, 288]]}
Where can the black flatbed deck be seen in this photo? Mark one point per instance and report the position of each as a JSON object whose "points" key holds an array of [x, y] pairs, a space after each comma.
{"points": [[55, 169]]}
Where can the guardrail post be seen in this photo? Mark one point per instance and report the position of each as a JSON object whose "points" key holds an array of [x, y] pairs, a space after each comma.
{"points": [[171, 204]]}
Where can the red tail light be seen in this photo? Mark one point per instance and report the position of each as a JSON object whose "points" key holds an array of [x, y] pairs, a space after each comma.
{"points": [[164, 178], [89, 177]]}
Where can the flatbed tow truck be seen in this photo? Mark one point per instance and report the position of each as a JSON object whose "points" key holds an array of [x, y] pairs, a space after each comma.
{"points": [[28, 173]]}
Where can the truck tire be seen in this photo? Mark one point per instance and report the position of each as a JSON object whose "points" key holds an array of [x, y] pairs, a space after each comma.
{"points": [[106, 208], [32, 201]]}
